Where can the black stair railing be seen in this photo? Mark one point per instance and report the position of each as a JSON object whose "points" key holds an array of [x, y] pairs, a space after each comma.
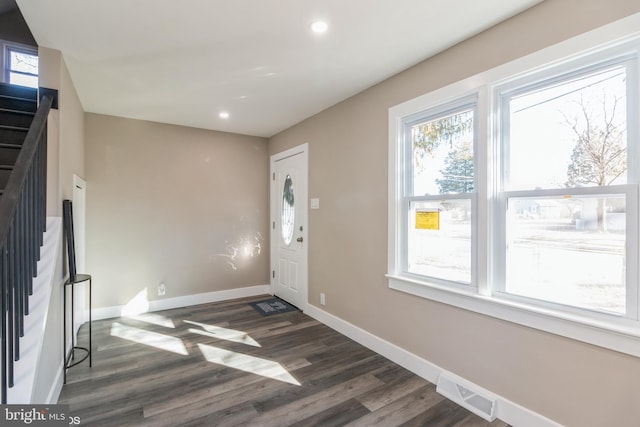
{"points": [[22, 224]]}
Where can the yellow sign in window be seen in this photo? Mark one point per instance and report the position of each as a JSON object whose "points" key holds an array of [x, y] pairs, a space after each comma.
{"points": [[428, 220]]}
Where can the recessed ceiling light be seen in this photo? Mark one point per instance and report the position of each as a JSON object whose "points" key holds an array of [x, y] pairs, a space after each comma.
{"points": [[319, 27], [223, 115]]}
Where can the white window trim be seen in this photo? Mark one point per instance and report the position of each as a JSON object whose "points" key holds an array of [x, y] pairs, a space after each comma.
{"points": [[621, 335]]}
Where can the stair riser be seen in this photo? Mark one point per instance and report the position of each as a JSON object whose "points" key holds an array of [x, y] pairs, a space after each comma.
{"points": [[12, 136], [19, 104], [8, 156], [4, 177], [15, 119], [18, 91]]}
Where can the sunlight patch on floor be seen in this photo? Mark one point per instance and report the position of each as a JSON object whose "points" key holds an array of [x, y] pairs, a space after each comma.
{"points": [[152, 339], [223, 333], [154, 319], [243, 362]]}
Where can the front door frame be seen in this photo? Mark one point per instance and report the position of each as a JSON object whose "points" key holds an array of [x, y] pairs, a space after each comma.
{"points": [[275, 197], [79, 199]]}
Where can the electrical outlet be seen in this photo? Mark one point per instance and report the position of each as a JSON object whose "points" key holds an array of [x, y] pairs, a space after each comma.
{"points": [[162, 289], [323, 301]]}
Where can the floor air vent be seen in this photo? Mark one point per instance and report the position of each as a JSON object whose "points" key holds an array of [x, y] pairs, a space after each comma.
{"points": [[467, 397]]}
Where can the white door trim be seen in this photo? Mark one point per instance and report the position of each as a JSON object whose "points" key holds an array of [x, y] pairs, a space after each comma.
{"points": [[79, 199], [275, 195], [79, 221]]}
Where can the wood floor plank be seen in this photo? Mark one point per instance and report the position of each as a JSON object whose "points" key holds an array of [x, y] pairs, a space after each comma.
{"points": [[394, 373], [215, 396], [210, 398], [472, 421], [443, 414], [132, 412], [312, 404], [389, 392], [401, 410], [238, 415], [335, 416], [319, 382], [223, 364]]}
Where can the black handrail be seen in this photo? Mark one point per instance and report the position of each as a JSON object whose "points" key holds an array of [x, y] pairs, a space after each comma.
{"points": [[22, 224]]}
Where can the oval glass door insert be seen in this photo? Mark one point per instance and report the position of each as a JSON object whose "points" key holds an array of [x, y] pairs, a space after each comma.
{"points": [[288, 211]]}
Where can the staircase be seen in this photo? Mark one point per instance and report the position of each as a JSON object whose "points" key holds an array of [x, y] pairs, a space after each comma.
{"points": [[23, 187], [17, 107]]}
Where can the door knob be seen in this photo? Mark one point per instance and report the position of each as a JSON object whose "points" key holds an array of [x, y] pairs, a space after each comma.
{"points": [[299, 239]]}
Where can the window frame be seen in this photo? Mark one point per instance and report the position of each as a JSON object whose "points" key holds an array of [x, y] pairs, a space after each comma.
{"points": [[6, 48], [627, 56], [631, 248], [606, 330], [439, 111]]}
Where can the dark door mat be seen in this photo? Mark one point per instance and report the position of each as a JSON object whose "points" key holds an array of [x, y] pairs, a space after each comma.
{"points": [[272, 306]]}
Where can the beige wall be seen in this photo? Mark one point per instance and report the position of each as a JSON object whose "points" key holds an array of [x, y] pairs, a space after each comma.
{"points": [[50, 61], [182, 206], [71, 143], [65, 131], [570, 382]]}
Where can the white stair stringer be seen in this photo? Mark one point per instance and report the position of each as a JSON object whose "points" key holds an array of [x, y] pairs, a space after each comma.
{"points": [[34, 324]]}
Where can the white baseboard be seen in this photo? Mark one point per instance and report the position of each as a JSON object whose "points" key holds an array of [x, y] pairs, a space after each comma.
{"points": [[507, 411], [185, 301]]}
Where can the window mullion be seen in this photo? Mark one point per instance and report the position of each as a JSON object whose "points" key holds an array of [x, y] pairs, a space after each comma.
{"points": [[482, 229], [500, 146]]}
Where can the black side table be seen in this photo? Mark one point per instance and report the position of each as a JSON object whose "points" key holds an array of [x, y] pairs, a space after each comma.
{"points": [[69, 359]]}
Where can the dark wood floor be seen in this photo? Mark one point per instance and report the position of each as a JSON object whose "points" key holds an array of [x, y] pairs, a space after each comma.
{"points": [[223, 364]]}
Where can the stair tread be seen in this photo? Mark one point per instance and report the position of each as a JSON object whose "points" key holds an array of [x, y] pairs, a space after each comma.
{"points": [[17, 98], [17, 128], [6, 145], [9, 110]]}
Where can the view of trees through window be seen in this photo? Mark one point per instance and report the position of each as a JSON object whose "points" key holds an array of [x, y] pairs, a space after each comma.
{"points": [[569, 248], [443, 155], [442, 165], [563, 244], [22, 68]]}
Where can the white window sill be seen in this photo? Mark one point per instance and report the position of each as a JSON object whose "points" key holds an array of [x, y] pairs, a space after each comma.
{"points": [[624, 338]]}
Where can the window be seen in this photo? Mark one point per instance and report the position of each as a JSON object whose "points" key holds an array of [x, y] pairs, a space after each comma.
{"points": [[514, 193], [566, 194], [439, 194], [20, 65]]}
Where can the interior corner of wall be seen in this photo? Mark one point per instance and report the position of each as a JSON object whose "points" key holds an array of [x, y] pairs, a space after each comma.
{"points": [[49, 67]]}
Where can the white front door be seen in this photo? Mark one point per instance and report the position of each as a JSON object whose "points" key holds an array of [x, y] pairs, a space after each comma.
{"points": [[289, 225]]}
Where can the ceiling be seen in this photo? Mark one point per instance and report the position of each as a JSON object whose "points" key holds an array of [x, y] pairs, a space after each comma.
{"points": [[183, 62]]}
